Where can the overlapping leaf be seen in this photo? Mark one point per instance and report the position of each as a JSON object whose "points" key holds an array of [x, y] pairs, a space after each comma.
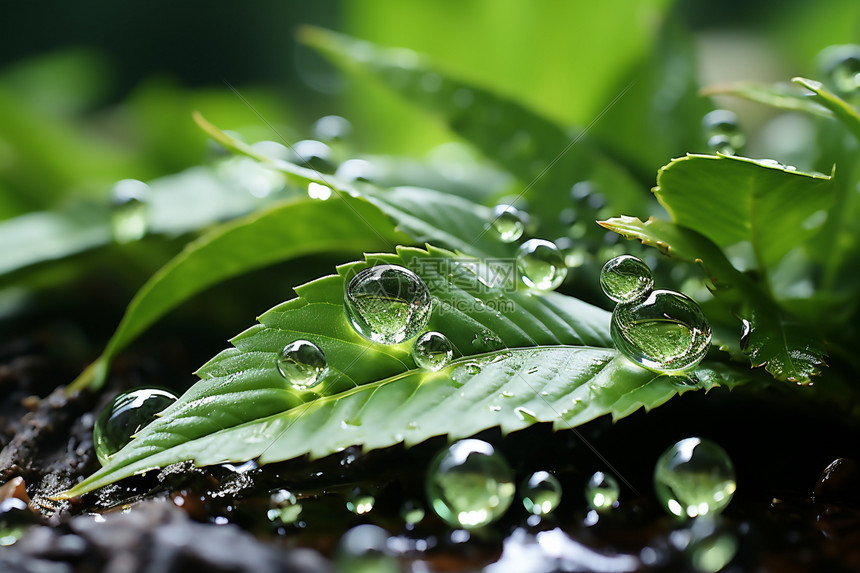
{"points": [[558, 368], [787, 348]]}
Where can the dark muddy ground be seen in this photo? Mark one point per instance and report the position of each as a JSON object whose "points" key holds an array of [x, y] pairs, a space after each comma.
{"points": [[214, 519]]}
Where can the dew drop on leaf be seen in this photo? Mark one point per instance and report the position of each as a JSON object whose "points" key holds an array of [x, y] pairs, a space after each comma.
{"points": [[541, 264], [694, 477], [129, 210], [432, 350], [469, 485], [626, 278], [124, 417], [601, 492], [314, 155], [509, 222], [665, 332], [302, 363], [387, 304], [541, 493]]}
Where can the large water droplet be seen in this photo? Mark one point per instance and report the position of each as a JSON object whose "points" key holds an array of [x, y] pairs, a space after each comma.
{"points": [[432, 350], [469, 485], [364, 549], [626, 278], [694, 477], [602, 492], [283, 507], [302, 363], [541, 264], [722, 122], [388, 304], [665, 332], [126, 416], [360, 502], [129, 218], [509, 222], [541, 493]]}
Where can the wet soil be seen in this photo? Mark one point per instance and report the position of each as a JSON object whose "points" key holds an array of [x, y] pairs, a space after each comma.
{"points": [[789, 514]]}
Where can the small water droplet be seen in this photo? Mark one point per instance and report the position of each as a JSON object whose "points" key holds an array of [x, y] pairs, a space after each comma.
{"points": [[469, 485], [388, 304], [526, 415], [509, 222], [495, 408], [746, 332], [124, 417], [709, 549], [357, 170], [331, 128], [626, 278], [364, 549], [317, 191], [507, 394], [602, 492], [412, 512], [725, 123], [487, 342], [694, 477], [314, 155], [432, 350], [721, 143], [283, 507], [541, 493], [303, 364], [360, 502], [541, 264], [842, 65], [129, 217], [664, 332]]}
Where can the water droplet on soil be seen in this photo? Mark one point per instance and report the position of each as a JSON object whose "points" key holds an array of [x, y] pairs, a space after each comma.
{"points": [[469, 485], [694, 477], [541, 493]]}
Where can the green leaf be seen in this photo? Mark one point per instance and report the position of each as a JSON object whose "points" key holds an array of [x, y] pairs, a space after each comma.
{"points": [[546, 158], [843, 111], [788, 348], [732, 200], [291, 229], [374, 397], [299, 227], [781, 96]]}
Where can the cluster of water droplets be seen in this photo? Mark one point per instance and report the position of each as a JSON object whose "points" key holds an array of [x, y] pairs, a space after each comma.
{"points": [[660, 330]]}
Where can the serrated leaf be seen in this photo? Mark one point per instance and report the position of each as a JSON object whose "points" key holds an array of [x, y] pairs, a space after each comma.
{"points": [[732, 200], [787, 348], [547, 158], [299, 227], [243, 409]]}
